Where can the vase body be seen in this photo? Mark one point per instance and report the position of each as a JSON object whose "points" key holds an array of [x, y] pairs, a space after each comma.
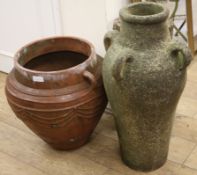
{"points": [[144, 74], [56, 89]]}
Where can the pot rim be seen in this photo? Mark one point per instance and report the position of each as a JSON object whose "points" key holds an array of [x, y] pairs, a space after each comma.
{"points": [[162, 15], [21, 68]]}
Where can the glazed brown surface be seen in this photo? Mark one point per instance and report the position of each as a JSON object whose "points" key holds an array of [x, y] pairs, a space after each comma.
{"points": [[59, 92]]}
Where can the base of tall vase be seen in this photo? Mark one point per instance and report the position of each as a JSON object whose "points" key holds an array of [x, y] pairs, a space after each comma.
{"points": [[142, 167]]}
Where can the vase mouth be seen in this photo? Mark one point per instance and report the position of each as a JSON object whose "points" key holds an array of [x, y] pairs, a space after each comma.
{"points": [[50, 45], [144, 13]]}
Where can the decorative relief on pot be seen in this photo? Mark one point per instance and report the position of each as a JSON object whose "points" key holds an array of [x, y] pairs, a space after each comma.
{"points": [[56, 89], [86, 111]]}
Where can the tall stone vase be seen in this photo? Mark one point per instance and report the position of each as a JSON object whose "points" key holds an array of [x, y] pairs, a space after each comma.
{"points": [[144, 75]]}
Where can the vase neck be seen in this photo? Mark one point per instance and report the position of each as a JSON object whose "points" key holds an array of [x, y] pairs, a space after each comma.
{"points": [[145, 24], [144, 36]]}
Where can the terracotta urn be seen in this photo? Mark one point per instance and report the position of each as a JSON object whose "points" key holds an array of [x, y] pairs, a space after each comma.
{"points": [[144, 73], [56, 89]]}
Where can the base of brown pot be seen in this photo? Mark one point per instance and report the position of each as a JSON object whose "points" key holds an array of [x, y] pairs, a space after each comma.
{"points": [[147, 168], [62, 146]]}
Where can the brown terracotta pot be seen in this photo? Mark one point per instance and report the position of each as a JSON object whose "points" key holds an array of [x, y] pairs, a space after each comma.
{"points": [[56, 89]]}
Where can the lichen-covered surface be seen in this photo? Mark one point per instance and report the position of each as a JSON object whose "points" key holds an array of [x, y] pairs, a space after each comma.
{"points": [[144, 77]]}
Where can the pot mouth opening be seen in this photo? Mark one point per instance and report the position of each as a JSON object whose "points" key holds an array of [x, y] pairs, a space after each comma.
{"points": [[144, 13], [54, 55]]}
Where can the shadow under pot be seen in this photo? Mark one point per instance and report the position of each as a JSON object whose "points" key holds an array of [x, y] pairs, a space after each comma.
{"points": [[56, 89]]}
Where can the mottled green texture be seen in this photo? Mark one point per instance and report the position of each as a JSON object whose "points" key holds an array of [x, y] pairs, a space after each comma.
{"points": [[144, 74]]}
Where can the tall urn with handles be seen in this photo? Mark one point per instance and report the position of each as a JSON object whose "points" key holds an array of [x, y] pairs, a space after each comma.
{"points": [[144, 74]]}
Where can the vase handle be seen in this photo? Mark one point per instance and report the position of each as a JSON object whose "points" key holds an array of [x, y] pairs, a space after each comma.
{"points": [[90, 78], [177, 48], [117, 70], [109, 37]]}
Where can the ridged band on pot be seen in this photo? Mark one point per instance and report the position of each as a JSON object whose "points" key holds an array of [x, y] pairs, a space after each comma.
{"points": [[144, 73], [62, 107]]}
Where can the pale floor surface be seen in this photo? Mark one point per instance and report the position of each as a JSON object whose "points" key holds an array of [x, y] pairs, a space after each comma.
{"points": [[23, 153]]}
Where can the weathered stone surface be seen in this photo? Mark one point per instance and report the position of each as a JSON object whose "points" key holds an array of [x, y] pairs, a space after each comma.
{"points": [[144, 75]]}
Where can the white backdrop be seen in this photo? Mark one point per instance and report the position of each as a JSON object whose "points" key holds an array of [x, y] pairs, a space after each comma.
{"points": [[23, 21], [195, 16], [89, 19]]}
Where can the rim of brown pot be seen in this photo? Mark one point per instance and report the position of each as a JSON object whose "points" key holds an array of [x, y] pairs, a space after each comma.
{"points": [[142, 13], [20, 67]]}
